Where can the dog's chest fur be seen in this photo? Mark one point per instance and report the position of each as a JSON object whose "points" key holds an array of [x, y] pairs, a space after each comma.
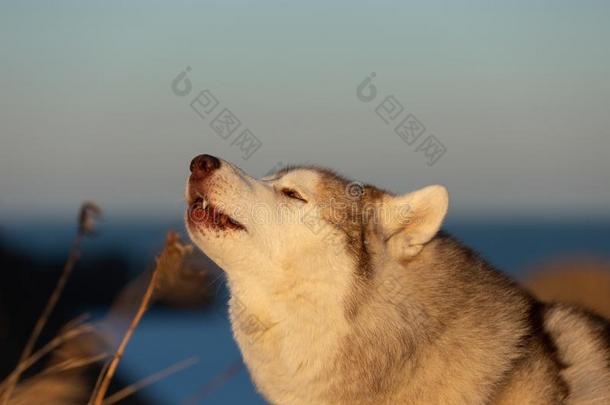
{"points": [[455, 340], [288, 346], [388, 310]]}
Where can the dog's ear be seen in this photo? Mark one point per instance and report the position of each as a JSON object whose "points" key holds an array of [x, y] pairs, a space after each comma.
{"points": [[411, 220]]}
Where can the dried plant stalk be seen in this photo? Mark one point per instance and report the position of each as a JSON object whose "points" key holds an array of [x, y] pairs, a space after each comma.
{"points": [[151, 379], [72, 364], [39, 354], [98, 397], [168, 263], [216, 382], [86, 225]]}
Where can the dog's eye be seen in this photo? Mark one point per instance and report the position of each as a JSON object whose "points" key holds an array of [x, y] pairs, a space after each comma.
{"points": [[290, 193]]}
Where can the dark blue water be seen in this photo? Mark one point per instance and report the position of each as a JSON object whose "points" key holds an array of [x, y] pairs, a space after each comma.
{"points": [[165, 338], [510, 245]]}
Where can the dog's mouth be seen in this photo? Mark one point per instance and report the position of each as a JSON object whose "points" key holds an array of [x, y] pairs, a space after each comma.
{"points": [[202, 212]]}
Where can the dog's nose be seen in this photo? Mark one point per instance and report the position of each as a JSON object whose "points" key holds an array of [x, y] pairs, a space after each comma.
{"points": [[204, 165]]}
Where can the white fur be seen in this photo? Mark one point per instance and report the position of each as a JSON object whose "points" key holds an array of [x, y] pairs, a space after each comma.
{"points": [[292, 277], [281, 273]]}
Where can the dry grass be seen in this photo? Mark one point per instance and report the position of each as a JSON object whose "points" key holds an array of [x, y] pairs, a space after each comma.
{"points": [[177, 277], [168, 267], [581, 281], [216, 382], [158, 376], [81, 344], [97, 397], [86, 225]]}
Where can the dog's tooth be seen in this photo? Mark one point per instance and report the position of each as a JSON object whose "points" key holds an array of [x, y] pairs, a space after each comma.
{"points": [[204, 203]]}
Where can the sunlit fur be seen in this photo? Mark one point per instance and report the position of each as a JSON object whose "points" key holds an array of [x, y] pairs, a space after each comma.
{"points": [[383, 309]]}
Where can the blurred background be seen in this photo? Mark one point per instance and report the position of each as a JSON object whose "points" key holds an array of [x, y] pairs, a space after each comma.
{"points": [[505, 104]]}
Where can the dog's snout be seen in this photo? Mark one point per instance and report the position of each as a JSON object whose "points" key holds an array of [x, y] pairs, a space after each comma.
{"points": [[204, 165]]}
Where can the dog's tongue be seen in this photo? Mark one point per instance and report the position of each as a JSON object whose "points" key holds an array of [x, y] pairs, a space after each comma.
{"points": [[223, 219], [199, 213], [206, 214]]}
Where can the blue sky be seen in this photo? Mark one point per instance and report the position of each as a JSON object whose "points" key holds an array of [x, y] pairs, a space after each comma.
{"points": [[517, 93]]}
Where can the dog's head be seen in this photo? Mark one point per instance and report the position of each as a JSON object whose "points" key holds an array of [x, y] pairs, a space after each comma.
{"points": [[304, 223]]}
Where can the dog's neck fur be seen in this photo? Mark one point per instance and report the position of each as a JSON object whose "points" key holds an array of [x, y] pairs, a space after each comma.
{"points": [[324, 336], [389, 311], [285, 306]]}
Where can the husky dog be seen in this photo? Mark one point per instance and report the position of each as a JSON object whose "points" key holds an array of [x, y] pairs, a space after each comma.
{"points": [[342, 293]]}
